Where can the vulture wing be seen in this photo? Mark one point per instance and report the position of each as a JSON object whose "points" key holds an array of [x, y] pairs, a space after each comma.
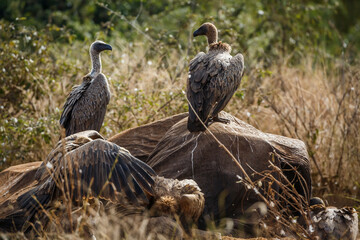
{"points": [[91, 168], [232, 74], [197, 79], [76, 93], [103, 169], [213, 79], [62, 147]]}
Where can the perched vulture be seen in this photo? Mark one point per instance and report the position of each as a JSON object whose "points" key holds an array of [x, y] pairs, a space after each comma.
{"points": [[213, 79], [81, 165], [332, 222], [85, 107]]}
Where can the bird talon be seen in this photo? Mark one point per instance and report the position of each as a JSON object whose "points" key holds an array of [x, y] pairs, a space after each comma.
{"points": [[222, 120]]}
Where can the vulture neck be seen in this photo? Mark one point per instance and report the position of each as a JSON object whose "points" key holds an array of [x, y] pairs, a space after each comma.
{"points": [[212, 34], [96, 64]]}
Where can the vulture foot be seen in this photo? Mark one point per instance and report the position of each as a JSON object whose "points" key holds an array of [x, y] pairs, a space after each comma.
{"points": [[222, 120]]}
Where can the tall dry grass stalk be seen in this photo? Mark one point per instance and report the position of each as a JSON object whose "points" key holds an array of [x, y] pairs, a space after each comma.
{"points": [[319, 106]]}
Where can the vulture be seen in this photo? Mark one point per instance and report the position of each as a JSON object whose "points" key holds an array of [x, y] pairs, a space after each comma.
{"points": [[85, 166], [331, 222], [85, 107], [173, 197], [82, 165], [213, 79]]}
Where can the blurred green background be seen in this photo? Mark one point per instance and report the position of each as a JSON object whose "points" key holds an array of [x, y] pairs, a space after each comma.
{"points": [[266, 29]]}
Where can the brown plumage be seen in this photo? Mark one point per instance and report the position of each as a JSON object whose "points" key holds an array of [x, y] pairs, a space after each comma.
{"points": [[82, 165], [213, 79], [177, 198], [333, 223], [85, 107]]}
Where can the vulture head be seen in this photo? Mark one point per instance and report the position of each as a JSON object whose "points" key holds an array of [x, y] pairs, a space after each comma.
{"points": [[177, 197], [95, 49], [209, 30], [316, 201], [99, 46]]}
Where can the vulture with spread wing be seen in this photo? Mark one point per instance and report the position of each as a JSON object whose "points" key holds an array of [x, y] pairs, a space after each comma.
{"points": [[213, 79], [85, 107], [83, 165]]}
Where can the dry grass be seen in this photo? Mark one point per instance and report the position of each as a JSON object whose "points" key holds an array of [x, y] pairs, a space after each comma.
{"points": [[320, 107]]}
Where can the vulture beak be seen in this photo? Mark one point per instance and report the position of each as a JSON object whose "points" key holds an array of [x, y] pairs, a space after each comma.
{"points": [[201, 31], [105, 46]]}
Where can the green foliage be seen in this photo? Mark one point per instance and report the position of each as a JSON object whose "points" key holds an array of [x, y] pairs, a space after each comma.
{"points": [[265, 30], [27, 67], [143, 107], [18, 73], [26, 139]]}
